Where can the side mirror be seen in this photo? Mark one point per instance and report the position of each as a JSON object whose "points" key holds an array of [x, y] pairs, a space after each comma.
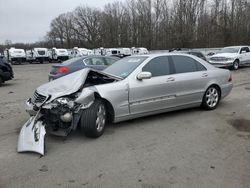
{"points": [[243, 52], [144, 75]]}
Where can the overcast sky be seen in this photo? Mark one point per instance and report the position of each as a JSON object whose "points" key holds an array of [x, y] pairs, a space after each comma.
{"points": [[29, 20]]}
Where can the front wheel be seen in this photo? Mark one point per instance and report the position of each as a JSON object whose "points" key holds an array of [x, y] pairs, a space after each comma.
{"points": [[236, 65], [93, 119], [211, 98]]}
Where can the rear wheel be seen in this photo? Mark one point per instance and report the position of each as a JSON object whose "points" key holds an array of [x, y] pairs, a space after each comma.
{"points": [[93, 119], [211, 98]]}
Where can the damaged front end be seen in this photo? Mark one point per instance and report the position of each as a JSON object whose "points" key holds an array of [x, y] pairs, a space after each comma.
{"points": [[56, 108]]}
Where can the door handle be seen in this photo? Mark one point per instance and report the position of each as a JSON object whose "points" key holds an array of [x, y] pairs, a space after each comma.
{"points": [[171, 79], [204, 75]]}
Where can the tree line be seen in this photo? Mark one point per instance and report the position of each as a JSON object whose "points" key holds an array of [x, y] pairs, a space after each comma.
{"points": [[154, 24]]}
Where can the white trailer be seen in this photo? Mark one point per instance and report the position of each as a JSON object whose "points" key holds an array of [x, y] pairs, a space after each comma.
{"points": [[58, 54], [139, 51], [125, 52], [15, 55], [78, 52], [119, 52], [99, 51], [112, 52], [37, 54]]}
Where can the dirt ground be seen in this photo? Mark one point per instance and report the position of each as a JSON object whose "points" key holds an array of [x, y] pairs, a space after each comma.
{"points": [[189, 148]]}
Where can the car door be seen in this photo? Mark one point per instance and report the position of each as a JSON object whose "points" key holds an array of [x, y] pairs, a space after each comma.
{"points": [[191, 78], [156, 93], [244, 55], [247, 56]]}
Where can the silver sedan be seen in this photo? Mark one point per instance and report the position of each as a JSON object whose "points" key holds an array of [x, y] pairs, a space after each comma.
{"points": [[132, 87]]}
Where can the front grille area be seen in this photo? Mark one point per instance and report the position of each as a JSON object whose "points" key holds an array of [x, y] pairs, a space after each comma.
{"points": [[38, 98], [218, 58]]}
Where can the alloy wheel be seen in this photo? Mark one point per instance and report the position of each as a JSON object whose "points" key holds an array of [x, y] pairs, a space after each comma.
{"points": [[101, 118], [212, 97]]}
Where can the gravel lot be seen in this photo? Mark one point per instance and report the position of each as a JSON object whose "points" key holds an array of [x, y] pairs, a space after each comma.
{"points": [[189, 148]]}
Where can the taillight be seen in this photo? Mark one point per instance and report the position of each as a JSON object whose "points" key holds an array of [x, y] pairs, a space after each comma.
{"points": [[63, 70], [230, 79]]}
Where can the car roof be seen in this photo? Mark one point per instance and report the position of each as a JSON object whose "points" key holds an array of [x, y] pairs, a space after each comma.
{"points": [[163, 54], [90, 56], [236, 46]]}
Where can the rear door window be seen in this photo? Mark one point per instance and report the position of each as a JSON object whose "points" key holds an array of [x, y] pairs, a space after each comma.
{"points": [[158, 66], [110, 61], [184, 64], [94, 61]]}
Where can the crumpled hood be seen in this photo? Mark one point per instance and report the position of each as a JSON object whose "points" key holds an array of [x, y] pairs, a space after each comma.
{"points": [[65, 85], [226, 55], [68, 84]]}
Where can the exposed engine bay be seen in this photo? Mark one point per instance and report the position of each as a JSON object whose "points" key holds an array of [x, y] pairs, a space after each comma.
{"points": [[59, 114]]}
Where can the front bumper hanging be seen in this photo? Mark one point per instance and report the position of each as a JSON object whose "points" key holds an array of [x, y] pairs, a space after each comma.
{"points": [[31, 137]]}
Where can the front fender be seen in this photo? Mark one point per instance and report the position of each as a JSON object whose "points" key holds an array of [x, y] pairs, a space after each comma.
{"points": [[86, 98]]}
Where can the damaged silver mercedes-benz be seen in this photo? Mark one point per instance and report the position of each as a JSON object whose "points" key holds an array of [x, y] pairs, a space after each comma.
{"points": [[132, 87]]}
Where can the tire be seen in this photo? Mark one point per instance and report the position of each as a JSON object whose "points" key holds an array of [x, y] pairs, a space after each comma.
{"points": [[93, 119], [236, 65], [211, 98], [1, 80]]}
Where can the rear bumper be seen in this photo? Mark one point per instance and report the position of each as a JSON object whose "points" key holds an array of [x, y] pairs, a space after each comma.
{"points": [[19, 59], [42, 58], [226, 89]]}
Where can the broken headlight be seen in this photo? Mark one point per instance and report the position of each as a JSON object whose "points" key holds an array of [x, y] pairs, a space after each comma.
{"points": [[65, 101]]}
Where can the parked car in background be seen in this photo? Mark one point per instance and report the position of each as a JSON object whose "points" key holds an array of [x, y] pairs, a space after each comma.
{"points": [[14, 55], [231, 57], [78, 63], [37, 55], [58, 55], [6, 72], [133, 87], [193, 52]]}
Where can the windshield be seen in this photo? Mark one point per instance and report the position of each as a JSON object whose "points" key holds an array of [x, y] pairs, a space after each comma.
{"points": [[229, 50], [125, 66]]}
